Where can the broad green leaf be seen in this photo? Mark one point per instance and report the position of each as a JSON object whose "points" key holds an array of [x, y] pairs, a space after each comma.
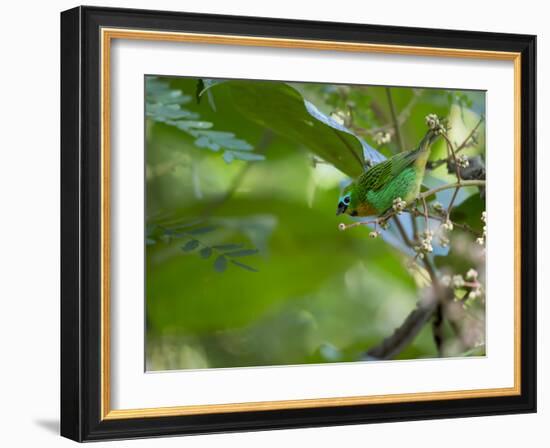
{"points": [[280, 108], [469, 212]]}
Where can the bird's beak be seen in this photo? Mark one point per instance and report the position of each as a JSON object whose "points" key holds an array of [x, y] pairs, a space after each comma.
{"points": [[341, 208]]}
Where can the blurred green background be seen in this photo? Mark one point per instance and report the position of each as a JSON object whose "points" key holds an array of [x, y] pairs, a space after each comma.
{"points": [[245, 265]]}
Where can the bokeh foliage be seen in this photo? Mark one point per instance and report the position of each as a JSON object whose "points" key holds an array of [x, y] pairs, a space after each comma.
{"points": [[245, 265]]}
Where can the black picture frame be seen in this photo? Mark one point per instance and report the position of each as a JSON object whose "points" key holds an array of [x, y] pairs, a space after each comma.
{"points": [[81, 224]]}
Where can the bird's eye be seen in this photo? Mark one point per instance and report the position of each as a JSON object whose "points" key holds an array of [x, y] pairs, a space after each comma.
{"points": [[346, 200]]}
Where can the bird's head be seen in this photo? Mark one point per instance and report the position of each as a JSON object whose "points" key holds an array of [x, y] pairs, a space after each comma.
{"points": [[347, 201]]}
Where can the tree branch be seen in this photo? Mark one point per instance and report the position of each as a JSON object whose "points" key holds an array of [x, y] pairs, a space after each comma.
{"points": [[417, 318], [437, 163], [398, 136], [464, 183], [405, 333]]}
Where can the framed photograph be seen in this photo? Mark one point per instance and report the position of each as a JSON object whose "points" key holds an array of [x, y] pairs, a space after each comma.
{"points": [[275, 224]]}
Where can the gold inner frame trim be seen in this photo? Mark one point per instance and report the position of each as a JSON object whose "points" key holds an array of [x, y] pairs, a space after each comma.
{"points": [[107, 35]]}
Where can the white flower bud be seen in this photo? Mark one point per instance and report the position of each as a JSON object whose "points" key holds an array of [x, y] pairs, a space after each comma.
{"points": [[447, 226], [382, 137], [463, 161], [458, 281]]}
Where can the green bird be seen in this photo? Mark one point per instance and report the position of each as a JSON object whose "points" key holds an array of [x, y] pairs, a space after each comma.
{"points": [[374, 191]]}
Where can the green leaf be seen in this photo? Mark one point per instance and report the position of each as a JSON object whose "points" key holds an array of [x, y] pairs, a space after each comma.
{"points": [[218, 135], [244, 266], [205, 142], [206, 252], [155, 86], [281, 108], [184, 225], [469, 212], [161, 112], [227, 246], [171, 97], [163, 105], [150, 241], [299, 239], [188, 125], [201, 230], [220, 264], [223, 140], [246, 156], [190, 245], [228, 156], [242, 253]]}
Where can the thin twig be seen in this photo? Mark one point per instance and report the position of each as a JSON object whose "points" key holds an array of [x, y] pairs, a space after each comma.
{"points": [[458, 225], [451, 204], [359, 223], [437, 163], [398, 136], [402, 117], [464, 183], [402, 232], [470, 135], [453, 155], [426, 221], [414, 226]]}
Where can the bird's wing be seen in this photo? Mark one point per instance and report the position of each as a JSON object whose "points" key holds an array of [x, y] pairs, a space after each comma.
{"points": [[379, 175]]}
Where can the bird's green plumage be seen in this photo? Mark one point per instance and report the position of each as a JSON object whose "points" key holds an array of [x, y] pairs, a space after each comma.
{"points": [[400, 186], [398, 177]]}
